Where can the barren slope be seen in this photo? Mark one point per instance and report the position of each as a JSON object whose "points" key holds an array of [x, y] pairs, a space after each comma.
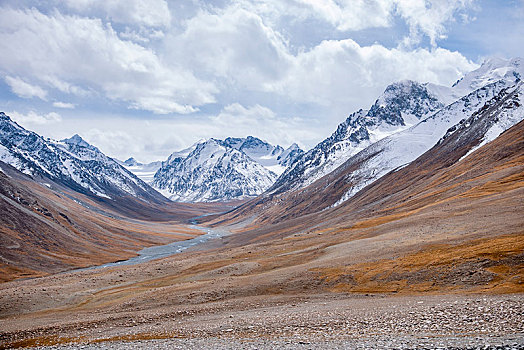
{"points": [[46, 231]]}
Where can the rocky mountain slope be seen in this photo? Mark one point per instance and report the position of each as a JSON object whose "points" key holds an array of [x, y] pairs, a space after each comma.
{"points": [[71, 162], [48, 228]]}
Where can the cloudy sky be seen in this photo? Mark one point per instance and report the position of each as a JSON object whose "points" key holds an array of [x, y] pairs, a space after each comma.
{"points": [[144, 78]]}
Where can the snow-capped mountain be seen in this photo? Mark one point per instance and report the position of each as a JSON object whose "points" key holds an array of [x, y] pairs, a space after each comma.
{"points": [[499, 104], [289, 156], [71, 162], [213, 170], [401, 106], [130, 162], [492, 70], [440, 140], [274, 158], [144, 171]]}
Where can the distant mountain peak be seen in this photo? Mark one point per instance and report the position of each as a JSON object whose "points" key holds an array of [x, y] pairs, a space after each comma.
{"points": [[212, 171], [491, 70], [77, 140], [215, 169], [131, 162], [403, 98]]}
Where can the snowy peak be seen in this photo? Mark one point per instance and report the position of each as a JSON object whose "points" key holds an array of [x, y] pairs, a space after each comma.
{"points": [[183, 153], [131, 162], [402, 100], [218, 170], [253, 147], [76, 140], [4, 117], [290, 155], [257, 146], [213, 171], [480, 117], [402, 105], [274, 158], [208, 152], [77, 146], [492, 70]]}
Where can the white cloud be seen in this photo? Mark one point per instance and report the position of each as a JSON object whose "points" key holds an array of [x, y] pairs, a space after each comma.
{"points": [[67, 105], [33, 118], [344, 75], [235, 48], [343, 15], [122, 137], [67, 51], [154, 13], [424, 17], [65, 87], [252, 65], [25, 90], [262, 122], [429, 17], [354, 14], [232, 44]]}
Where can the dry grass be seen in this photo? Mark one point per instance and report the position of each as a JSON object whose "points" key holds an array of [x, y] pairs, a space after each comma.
{"points": [[498, 264]]}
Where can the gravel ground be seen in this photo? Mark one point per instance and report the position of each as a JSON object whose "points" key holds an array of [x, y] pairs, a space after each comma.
{"points": [[318, 322], [508, 342]]}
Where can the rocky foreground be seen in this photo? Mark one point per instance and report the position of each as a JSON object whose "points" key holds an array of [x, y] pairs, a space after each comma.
{"points": [[302, 322]]}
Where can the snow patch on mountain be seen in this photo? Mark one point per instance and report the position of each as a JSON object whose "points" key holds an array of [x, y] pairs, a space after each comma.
{"points": [[512, 113]]}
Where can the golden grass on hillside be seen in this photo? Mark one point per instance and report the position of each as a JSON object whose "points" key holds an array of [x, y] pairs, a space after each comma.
{"points": [[493, 265]]}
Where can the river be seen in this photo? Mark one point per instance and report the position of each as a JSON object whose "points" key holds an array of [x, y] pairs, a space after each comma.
{"points": [[162, 251]]}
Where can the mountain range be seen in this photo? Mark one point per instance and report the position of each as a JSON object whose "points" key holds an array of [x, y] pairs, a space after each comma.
{"points": [[350, 159], [401, 106], [404, 122]]}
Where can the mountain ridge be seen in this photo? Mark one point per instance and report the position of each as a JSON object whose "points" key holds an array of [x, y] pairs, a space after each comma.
{"points": [[72, 162], [402, 105]]}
